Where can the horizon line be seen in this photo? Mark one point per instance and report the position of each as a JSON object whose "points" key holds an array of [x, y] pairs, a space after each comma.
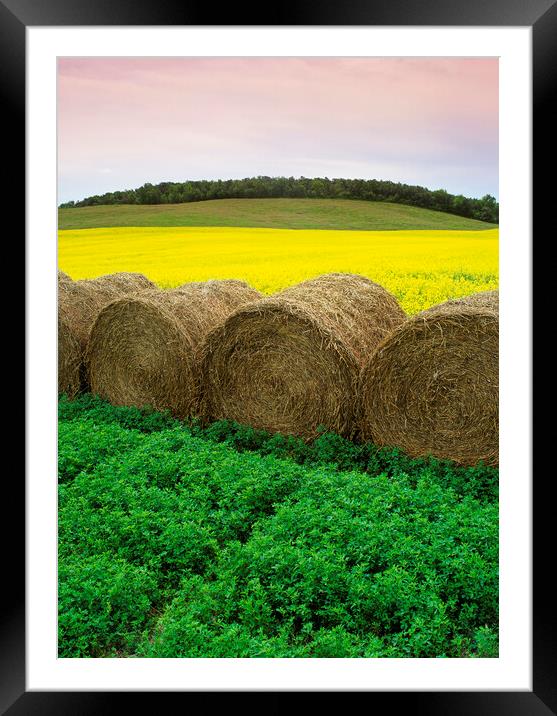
{"points": [[279, 176]]}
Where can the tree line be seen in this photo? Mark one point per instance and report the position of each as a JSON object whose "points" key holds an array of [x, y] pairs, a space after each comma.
{"points": [[263, 187]]}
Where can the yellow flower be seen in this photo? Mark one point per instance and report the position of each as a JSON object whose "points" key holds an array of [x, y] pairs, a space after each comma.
{"points": [[420, 268]]}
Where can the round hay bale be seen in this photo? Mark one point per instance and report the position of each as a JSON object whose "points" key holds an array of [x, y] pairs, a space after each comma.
{"points": [[142, 349], [63, 277], [432, 386], [79, 303], [125, 282], [289, 363], [69, 359], [482, 298]]}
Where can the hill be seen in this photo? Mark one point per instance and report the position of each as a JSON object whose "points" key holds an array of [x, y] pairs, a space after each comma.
{"points": [[485, 208], [344, 214]]}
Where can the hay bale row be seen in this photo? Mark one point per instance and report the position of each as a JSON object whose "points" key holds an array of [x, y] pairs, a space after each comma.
{"points": [[290, 363], [79, 303], [432, 386], [142, 349], [335, 352]]}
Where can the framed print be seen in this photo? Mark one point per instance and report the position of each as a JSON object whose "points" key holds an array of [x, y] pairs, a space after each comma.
{"points": [[117, 162]]}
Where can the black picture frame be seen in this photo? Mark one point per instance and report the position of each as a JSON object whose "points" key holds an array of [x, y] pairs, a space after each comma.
{"points": [[15, 17]]}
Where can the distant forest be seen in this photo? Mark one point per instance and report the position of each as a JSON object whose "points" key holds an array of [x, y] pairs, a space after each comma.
{"points": [[484, 209]]}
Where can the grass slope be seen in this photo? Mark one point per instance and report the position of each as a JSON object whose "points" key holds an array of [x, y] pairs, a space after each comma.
{"points": [[272, 213], [177, 541]]}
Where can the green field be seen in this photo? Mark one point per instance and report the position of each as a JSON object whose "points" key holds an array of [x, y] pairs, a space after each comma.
{"points": [[182, 541], [272, 213]]}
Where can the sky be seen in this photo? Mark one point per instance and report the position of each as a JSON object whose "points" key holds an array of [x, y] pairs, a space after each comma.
{"points": [[126, 121]]}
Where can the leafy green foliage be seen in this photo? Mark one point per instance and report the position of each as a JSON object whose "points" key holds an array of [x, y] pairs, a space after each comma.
{"points": [[364, 566], [91, 406], [84, 443], [102, 605], [182, 541], [480, 481]]}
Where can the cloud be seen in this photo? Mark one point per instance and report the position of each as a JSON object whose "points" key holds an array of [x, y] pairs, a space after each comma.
{"points": [[217, 117]]}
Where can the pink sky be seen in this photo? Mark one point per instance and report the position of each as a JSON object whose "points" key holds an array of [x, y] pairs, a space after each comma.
{"points": [[126, 121]]}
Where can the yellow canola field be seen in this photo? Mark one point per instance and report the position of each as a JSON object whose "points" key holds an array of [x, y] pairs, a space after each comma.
{"points": [[420, 268]]}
